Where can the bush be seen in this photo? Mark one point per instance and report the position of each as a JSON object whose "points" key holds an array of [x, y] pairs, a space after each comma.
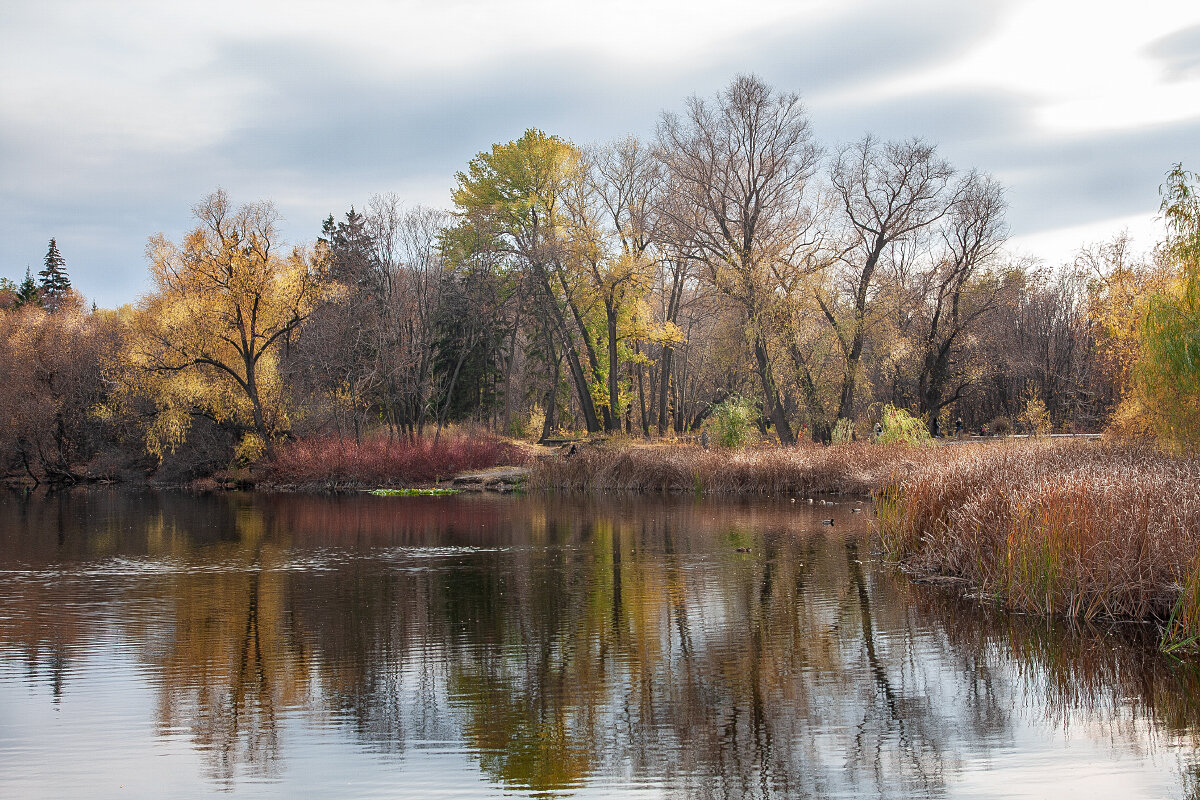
{"points": [[843, 432], [1000, 426], [329, 462], [733, 421], [1035, 417], [900, 427]]}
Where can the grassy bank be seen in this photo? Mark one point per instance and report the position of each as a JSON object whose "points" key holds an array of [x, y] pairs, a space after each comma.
{"points": [[1089, 530], [806, 469]]}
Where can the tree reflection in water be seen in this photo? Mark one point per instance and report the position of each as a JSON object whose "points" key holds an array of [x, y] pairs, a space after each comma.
{"points": [[565, 641]]}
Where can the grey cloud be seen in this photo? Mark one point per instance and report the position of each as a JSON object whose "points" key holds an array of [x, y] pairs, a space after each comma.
{"points": [[1051, 181], [1179, 53], [321, 111], [327, 132], [1071, 181], [963, 123], [879, 40]]}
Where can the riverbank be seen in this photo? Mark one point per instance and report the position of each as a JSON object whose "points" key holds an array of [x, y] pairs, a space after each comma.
{"points": [[1078, 527], [1085, 530]]}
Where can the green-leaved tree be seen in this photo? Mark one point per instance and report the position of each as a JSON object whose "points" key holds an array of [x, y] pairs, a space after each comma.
{"points": [[1168, 374]]}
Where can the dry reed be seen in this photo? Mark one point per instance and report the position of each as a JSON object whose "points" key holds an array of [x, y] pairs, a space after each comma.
{"points": [[1082, 529], [801, 470]]}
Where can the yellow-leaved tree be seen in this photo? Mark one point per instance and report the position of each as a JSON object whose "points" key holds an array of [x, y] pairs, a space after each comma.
{"points": [[206, 339], [1167, 375], [1151, 321]]}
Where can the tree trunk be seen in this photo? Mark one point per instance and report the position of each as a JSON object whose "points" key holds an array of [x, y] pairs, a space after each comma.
{"points": [[642, 395], [774, 407], [260, 421], [581, 384], [664, 387], [614, 387], [821, 431]]}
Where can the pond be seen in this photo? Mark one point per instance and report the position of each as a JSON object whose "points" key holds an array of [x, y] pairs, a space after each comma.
{"points": [[167, 644]]}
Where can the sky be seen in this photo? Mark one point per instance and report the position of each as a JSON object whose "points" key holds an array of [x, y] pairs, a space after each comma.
{"points": [[117, 116]]}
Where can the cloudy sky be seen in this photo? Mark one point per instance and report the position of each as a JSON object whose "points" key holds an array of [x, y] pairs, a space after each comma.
{"points": [[116, 117]]}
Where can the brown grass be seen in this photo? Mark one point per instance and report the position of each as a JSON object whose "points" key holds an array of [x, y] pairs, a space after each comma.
{"points": [[806, 469], [1083, 529]]}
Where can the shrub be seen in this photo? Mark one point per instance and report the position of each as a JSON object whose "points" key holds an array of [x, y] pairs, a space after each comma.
{"points": [[900, 427], [733, 421], [1034, 416], [843, 432], [331, 463], [1000, 426]]}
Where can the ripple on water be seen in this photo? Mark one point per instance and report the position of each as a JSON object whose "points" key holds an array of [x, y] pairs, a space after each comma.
{"points": [[621, 650]]}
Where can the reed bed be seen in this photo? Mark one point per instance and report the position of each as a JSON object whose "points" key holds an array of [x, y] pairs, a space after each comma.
{"points": [[802, 470], [330, 463], [1082, 529]]}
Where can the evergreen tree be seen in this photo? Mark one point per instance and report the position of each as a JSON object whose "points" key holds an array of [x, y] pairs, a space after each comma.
{"points": [[350, 248], [55, 284], [28, 292]]}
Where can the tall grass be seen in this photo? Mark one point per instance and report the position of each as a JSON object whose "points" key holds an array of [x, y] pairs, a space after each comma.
{"points": [[329, 463], [805, 469], [1089, 530]]}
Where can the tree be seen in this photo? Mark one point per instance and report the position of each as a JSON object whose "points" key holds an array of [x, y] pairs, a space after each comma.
{"points": [[349, 245], [742, 164], [612, 228], [27, 291], [1117, 281], [207, 337], [8, 294], [510, 201], [956, 296], [52, 366], [1168, 372], [55, 285], [888, 193], [335, 362], [414, 286]]}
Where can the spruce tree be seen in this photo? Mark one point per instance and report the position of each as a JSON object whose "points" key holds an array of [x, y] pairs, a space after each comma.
{"points": [[27, 292], [55, 284]]}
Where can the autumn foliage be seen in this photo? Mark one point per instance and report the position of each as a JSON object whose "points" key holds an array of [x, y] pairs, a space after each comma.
{"points": [[207, 339], [51, 389]]}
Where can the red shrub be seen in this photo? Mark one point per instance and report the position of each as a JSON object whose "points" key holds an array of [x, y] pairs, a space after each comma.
{"points": [[332, 463]]}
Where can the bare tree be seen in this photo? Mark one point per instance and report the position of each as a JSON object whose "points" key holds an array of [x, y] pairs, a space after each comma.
{"points": [[955, 300], [408, 256], [742, 164], [887, 192]]}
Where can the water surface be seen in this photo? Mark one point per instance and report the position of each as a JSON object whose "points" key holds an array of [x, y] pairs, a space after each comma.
{"points": [[156, 644]]}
